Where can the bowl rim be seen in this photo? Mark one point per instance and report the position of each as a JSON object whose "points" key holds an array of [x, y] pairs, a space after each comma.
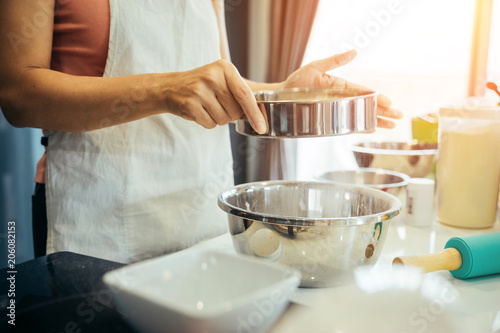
{"points": [[356, 147], [405, 179], [356, 93], [394, 210]]}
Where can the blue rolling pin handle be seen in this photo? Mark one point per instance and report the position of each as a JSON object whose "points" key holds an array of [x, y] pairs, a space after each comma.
{"points": [[480, 255]]}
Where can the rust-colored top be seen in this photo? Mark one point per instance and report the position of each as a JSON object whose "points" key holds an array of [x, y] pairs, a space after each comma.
{"points": [[80, 44]]}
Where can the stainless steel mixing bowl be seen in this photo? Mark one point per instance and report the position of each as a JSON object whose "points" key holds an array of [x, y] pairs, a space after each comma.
{"points": [[392, 182], [323, 229], [414, 159], [312, 112]]}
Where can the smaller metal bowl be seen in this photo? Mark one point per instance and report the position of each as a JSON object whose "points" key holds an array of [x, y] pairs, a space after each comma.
{"points": [[314, 112], [392, 182], [415, 159], [388, 181]]}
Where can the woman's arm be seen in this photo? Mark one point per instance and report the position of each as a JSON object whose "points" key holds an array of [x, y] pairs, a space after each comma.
{"points": [[33, 95]]}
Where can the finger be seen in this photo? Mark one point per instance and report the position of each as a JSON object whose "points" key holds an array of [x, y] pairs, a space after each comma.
{"points": [[329, 81], [231, 107], [187, 116], [369, 132], [389, 112], [382, 100], [245, 98], [205, 120], [202, 116], [244, 117], [216, 111], [385, 123], [335, 61]]}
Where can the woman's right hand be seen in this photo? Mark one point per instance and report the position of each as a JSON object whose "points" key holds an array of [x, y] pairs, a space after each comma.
{"points": [[211, 95]]}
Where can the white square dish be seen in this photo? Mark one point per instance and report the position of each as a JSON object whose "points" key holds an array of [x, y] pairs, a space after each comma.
{"points": [[194, 291]]}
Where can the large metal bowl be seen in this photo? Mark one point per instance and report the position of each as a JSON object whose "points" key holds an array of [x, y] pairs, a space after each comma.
{"points": [[415, 159], [313, 112], [323, 229]]}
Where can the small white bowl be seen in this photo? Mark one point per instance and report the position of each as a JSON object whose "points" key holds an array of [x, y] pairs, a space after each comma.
{"points": [[194, 291]]}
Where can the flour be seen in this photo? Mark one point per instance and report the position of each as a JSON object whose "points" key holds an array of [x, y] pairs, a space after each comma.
{"points": [[468, 176]]}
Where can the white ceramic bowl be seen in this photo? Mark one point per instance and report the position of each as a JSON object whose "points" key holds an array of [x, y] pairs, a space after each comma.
{"points": [[194, 291]]}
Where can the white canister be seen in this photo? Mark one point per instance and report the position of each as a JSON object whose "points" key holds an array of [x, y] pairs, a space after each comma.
{"points": [[420, 202]]}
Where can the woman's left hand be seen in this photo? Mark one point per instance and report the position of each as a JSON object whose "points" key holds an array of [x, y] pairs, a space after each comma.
{"points": [[314, 75]]}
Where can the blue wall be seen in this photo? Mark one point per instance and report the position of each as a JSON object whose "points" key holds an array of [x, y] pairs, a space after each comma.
{"points": [[20, 149]]}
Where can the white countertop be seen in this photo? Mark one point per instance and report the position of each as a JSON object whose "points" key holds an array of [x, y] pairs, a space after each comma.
{"points": [[480, 296]]}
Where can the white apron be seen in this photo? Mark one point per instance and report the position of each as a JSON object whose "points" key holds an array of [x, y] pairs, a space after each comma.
{"points": [[148, 187]]}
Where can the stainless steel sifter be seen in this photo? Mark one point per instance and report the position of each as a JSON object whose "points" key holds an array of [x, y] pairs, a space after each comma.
{"points": [[312, 112]]}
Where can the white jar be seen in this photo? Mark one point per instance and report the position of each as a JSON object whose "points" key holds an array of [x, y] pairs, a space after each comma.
{"points": [[420, 202]]}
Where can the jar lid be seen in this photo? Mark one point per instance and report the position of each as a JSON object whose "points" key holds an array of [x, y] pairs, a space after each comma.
{"points": [[476, 112], [421, 184]]}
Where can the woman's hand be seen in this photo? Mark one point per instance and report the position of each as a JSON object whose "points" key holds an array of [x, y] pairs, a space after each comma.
{"points": [[211, 95], [314, 75]]}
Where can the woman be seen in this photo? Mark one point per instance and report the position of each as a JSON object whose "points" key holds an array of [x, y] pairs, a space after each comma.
{"points": [[133, 98]]}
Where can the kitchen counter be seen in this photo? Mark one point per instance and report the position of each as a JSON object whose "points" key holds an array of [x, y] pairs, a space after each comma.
{"points": [[480, 296], [63, 292]]}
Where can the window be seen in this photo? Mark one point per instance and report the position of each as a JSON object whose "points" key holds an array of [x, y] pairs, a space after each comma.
{"points": [[415, 52]]}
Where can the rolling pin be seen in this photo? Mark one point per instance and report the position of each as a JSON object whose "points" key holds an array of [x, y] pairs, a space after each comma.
{"points": [[464, 257]]}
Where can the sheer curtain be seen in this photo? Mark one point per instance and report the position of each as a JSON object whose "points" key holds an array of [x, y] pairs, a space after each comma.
{"points": [[290, 23]]}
